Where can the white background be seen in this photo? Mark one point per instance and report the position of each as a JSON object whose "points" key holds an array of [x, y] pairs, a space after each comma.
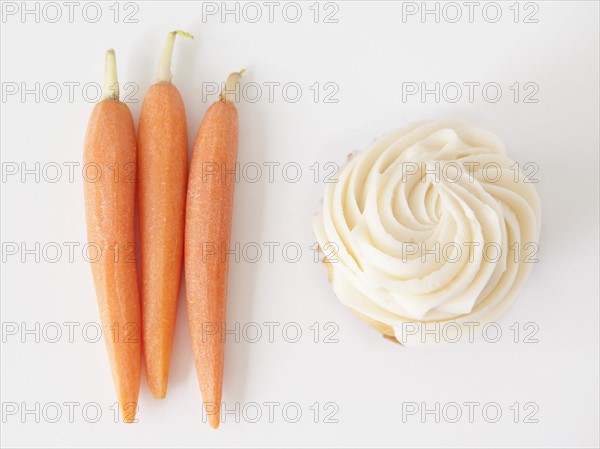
{"points": [[368, 53]]}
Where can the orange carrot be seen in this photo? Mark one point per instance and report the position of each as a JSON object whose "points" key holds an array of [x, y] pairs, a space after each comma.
{"points": [[162, 181], [109, 161], [208, 227]]}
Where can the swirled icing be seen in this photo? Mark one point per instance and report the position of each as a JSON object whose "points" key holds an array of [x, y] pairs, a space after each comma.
{"points": [[432, 223]]}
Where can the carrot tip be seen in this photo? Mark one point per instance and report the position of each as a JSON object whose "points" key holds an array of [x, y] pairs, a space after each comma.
{"points": [[214, 421], [158, 394], [157, 381], [128, 411]]}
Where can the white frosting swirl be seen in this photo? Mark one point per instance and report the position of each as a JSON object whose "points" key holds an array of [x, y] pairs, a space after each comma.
{"points": [[433, 223]]}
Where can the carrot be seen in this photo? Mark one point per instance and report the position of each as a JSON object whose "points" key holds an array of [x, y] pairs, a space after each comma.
{"points": [[109, 161], [162, 181], [208, 227]]}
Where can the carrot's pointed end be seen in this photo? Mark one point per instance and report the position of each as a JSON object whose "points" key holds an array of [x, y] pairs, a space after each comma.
{"points": [[214, 421], [213, 411], [158, 391], [128, 420], [157, 378], [128, 411]]}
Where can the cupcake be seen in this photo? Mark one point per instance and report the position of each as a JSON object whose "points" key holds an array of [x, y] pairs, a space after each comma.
{"points": [[430, 233]]}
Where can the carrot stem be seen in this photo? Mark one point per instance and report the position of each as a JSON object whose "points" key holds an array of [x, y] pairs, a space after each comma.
{"points": [[164, 74], [231, 91], [111, 82]]}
